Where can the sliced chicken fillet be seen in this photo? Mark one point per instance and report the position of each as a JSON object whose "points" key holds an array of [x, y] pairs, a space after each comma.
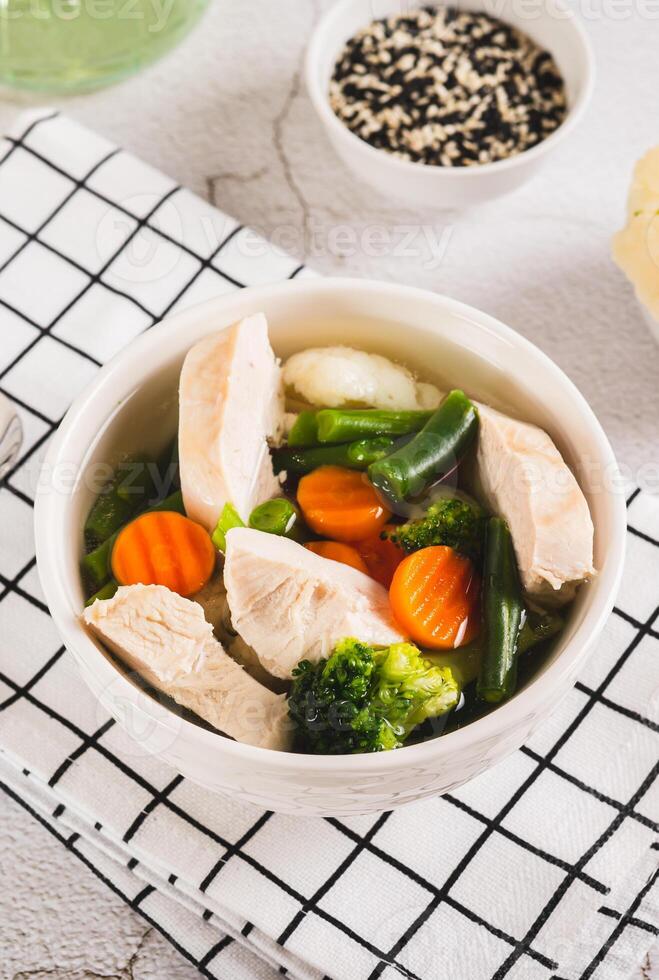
{"points": [[166, 639], [290, 604], [213, 600], [230, 402], [524, 479]]}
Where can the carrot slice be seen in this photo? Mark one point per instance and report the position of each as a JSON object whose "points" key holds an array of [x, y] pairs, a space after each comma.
{"points": [[164, 548], [340, 504], [338, 551], [382, 558], [434, 596]]}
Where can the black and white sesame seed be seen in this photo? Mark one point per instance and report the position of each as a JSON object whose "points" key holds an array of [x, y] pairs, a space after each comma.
{"points": [[448, 88]]}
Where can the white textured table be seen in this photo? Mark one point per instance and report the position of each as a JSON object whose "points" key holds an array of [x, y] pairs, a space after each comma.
{"points": [[226, 115]]}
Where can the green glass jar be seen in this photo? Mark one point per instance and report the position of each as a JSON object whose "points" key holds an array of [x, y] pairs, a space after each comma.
{"points": [[73, 45]]}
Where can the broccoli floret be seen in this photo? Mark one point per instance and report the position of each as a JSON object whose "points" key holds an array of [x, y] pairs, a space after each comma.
{"points": [[451, 521], [364, 699]]}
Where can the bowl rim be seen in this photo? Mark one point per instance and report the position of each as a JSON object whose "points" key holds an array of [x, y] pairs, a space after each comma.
{"points": [[49, 511], [408, 168]]}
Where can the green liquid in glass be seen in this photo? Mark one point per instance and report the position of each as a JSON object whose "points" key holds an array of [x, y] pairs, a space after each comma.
{"points": [[72, 45]]}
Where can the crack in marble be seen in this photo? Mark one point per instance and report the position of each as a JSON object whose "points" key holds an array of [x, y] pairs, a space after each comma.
{"points": [[239, 176], [25, 974], [128, 969], [126, 972], [278, 124], [67, 975], [280, 149]]}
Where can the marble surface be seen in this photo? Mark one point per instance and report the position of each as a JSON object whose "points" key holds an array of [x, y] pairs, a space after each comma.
{"points": [[226, 114]]}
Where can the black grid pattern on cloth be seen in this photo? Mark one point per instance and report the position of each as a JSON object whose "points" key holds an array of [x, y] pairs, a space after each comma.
{"points": [[520, 946]]}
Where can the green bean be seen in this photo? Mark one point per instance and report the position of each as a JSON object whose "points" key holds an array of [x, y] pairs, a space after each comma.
{"points": [[228, 518], [278, 516], [353, 455], [362, 453], [137, 482], [502, 615], [131, 487], [304, 431], [349, 425], [173, 502], [96, 565], [109, 512], [431, 454], [106, 592]]}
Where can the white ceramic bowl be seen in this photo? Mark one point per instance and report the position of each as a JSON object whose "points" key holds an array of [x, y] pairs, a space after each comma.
{"points": [[551, 24], [132, 405]]}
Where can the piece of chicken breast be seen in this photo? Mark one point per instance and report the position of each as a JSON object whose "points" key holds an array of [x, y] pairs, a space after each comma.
{"points": [[213, 600], [524, 479], [230, 402], [290, 604], [167, 641]]}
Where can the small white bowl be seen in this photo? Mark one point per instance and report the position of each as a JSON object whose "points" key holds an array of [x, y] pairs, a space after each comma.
{"points": [[131, 406], [552, 25]]}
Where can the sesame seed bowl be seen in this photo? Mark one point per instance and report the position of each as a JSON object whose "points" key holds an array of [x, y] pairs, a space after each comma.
{"points": [[502, 92]]}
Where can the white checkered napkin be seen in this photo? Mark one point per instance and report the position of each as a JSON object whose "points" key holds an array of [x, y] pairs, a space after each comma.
{"points": [[544, 867]]}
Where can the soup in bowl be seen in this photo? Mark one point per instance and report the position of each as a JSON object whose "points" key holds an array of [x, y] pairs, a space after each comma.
{"points": [[363, 577]]}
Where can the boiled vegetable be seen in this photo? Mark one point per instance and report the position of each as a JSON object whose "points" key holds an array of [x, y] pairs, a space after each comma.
{"points": [[278, 516], [434, 597], [106, 592], [362, 699], [347, 425], [382, 557], [228, 518], [366, 451], [502, 615], [337, 376], [433, 453], [340, 503], [353, 455], [338, 551], [164, 548], [131, 487], [456, 521], [463, 662], [304, 431], [96, 565]]}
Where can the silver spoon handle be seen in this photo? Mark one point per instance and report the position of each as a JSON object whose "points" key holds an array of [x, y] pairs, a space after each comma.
{"points": [[11, 435]]}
